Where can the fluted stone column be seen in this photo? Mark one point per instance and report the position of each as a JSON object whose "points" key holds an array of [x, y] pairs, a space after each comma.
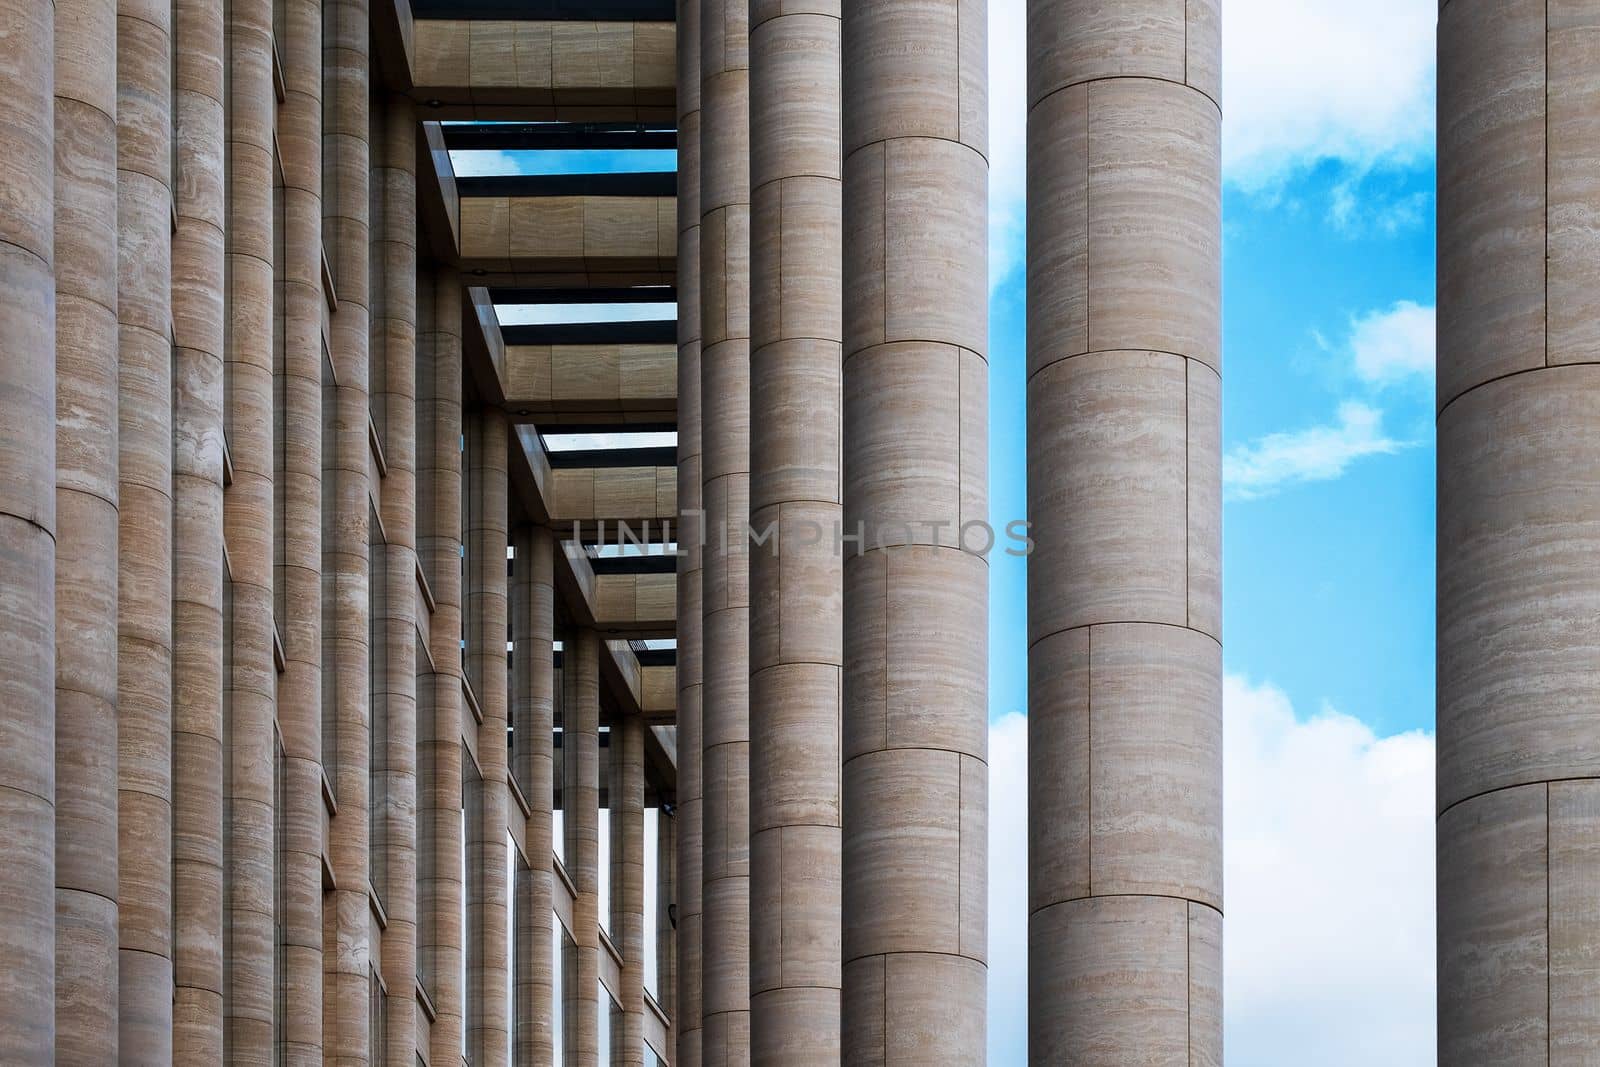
{"points": [[691, 530], [1518, 532], [144, 547], [533, 605], [299, 503], [796, 580], [198, 314], [725, 497], [27, 530], [86, 530], [248, 524], [346, 233], [915, 384], [627, 886], [439, 887], [1124, 492], [489, 1028], [580, 759], [394, 353]]}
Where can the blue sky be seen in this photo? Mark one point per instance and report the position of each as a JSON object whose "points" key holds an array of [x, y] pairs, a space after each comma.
{"points": [[1328, 530]]}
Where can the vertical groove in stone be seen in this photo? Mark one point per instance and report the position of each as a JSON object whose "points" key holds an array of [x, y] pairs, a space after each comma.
{"points": [[346, 232], [725, 498], [691, 530], [488, 1026], [915, 383], [198, 279], [796, 580], [533, 601], [86, 531], [144, 549], [27, 530], [1518, 531], [580, 757], [299, 490], [248, 526], [1124, 492], [439, 887], [394, 348], [626, 791]]}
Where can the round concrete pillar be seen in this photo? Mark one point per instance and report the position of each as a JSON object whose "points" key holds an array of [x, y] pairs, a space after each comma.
{"points": [[27, 529], [915, 382], [796, 578], [725, 498], [691, 529], [1518, 532], [1124, 493]]}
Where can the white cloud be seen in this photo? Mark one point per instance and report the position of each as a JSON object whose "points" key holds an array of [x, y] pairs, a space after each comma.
{"points": [[1008, 136], [1330, 868], [1329, 945], [1393, 345], [1008, 889], [1315, 454], [1309, 80]]}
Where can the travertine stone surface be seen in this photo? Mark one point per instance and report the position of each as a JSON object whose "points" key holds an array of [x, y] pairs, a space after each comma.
{"points": [[914, 742], [1124, 494], [724, 166], [394, 359], [533, 602], [439, 539], [299, 511], [571, 69], [1518, 529], [199, 270], [580, 757], [346, 235], [488, 1027], [27, 529], [626, 792], [248, 527], [85, 482], [686, 1018], [144, 550], [796, 580]]}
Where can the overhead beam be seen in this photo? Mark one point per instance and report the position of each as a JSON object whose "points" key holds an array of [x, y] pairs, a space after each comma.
{"points": [[594, 70], [582, 239]]}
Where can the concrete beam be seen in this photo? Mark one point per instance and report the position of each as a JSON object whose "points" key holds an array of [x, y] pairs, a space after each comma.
{"points": [[625, 382], [562, 236], [503, 70]]}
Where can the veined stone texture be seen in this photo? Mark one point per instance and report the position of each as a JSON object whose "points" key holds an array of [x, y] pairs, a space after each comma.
{"points": [[1124, 494], [1518, 527]]}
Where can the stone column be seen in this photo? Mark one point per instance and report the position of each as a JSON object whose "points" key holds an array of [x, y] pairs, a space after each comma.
{"points": [[394, 353], [1124, 492], [915, 381], [533, 606], [248, 526], [86, 530], [27, 530], [144, 548], [796, 579], [725, 497], [580, 740], [1518, 532], [299, 488], [627, 886], [198, 312], [488, 1027], [691, 531], [439, 885], [345, 234]]}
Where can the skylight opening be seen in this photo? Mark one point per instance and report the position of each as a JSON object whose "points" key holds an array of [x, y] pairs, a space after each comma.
{"points": [[598, 442], [495, 163], [566, 314], [630, 550]]}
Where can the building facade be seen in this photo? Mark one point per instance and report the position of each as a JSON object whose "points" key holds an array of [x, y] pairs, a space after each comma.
{"points": [[466, 600]]}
